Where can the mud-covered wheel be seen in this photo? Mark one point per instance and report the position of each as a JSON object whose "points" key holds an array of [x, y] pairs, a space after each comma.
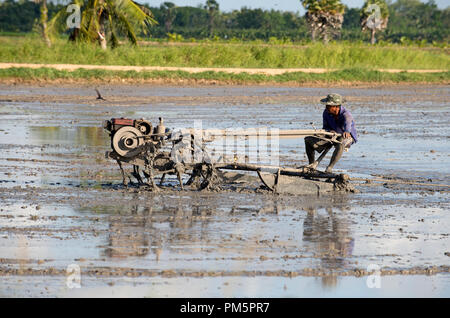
{"points": [[204, 177]]}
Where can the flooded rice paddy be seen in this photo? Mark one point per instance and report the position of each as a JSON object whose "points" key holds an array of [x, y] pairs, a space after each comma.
{"points": [[67, 222]]}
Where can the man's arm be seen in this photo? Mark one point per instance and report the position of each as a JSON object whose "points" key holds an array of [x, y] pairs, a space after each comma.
{"points": [[348, 125]]}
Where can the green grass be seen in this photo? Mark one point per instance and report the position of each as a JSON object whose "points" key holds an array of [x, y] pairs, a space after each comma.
{"points": [[31, 49], [351, 75]]}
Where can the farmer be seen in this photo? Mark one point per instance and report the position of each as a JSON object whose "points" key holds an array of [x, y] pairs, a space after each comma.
{"points": [[335, 119]]}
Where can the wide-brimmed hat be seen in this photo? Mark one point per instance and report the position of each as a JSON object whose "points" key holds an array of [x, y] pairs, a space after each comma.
{"points": [[333, 100]]}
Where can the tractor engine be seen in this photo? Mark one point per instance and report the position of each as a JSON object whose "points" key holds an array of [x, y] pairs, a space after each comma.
{"points": [[127, 135], [147, 148]]}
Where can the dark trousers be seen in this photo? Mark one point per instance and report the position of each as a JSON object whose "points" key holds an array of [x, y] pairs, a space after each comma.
{"points": [[313, 144]]}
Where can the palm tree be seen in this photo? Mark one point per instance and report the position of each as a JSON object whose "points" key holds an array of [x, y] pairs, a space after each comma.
{"points": [[212, 7], [43, 21], [168, 12], [374, 16], [324, 17], [100, 18]]}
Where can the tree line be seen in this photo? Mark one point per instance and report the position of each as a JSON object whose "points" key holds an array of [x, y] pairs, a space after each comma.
{"points": [[399, 21]]}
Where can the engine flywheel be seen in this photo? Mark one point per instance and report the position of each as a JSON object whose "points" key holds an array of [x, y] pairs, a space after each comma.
{"points": [[126, 141]]}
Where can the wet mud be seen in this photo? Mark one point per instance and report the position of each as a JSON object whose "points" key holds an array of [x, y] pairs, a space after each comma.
{"points": [[63, 204]]}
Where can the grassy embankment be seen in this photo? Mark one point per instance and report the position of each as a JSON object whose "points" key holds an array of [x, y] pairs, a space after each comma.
{"points": [[354, 62]]}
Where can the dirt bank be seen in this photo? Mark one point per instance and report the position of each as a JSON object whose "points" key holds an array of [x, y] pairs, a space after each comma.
{"points": [[264, 71]]}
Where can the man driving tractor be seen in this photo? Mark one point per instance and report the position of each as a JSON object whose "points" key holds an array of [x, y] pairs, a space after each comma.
{"points": [[335, 119]]}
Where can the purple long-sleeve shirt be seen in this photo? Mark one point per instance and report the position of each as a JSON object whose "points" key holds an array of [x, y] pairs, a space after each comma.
{"points": [[344, 122]]}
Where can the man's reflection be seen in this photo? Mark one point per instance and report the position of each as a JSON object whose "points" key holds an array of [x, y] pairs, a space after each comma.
{"points": [[331, 240]]}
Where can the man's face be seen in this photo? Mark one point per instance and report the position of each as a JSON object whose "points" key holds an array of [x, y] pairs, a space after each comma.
{"points": [[333, 110]]}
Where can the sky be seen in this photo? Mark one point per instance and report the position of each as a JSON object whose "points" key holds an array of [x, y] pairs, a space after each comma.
{"points": [[283, 5]]}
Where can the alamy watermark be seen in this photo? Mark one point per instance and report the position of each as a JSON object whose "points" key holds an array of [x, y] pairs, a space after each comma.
{"points": [[374, 20], [231, 145], [73, 279], [74, 19], [374, 279]]}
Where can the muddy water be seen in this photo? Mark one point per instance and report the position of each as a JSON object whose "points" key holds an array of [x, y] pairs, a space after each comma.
{"points": [[63, 205]]}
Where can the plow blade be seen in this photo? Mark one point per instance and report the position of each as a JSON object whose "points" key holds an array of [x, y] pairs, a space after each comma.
{"points": [[294, 185]]}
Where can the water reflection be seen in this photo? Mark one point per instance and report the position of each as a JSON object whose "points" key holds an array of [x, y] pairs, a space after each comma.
{"points": [[129, 236], [201, 230], [79, 136], [330, 239], [140, 228]]}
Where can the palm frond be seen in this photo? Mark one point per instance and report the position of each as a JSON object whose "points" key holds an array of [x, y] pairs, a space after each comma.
{"points": [[120, 21], [114, 38], [122, 16]]}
